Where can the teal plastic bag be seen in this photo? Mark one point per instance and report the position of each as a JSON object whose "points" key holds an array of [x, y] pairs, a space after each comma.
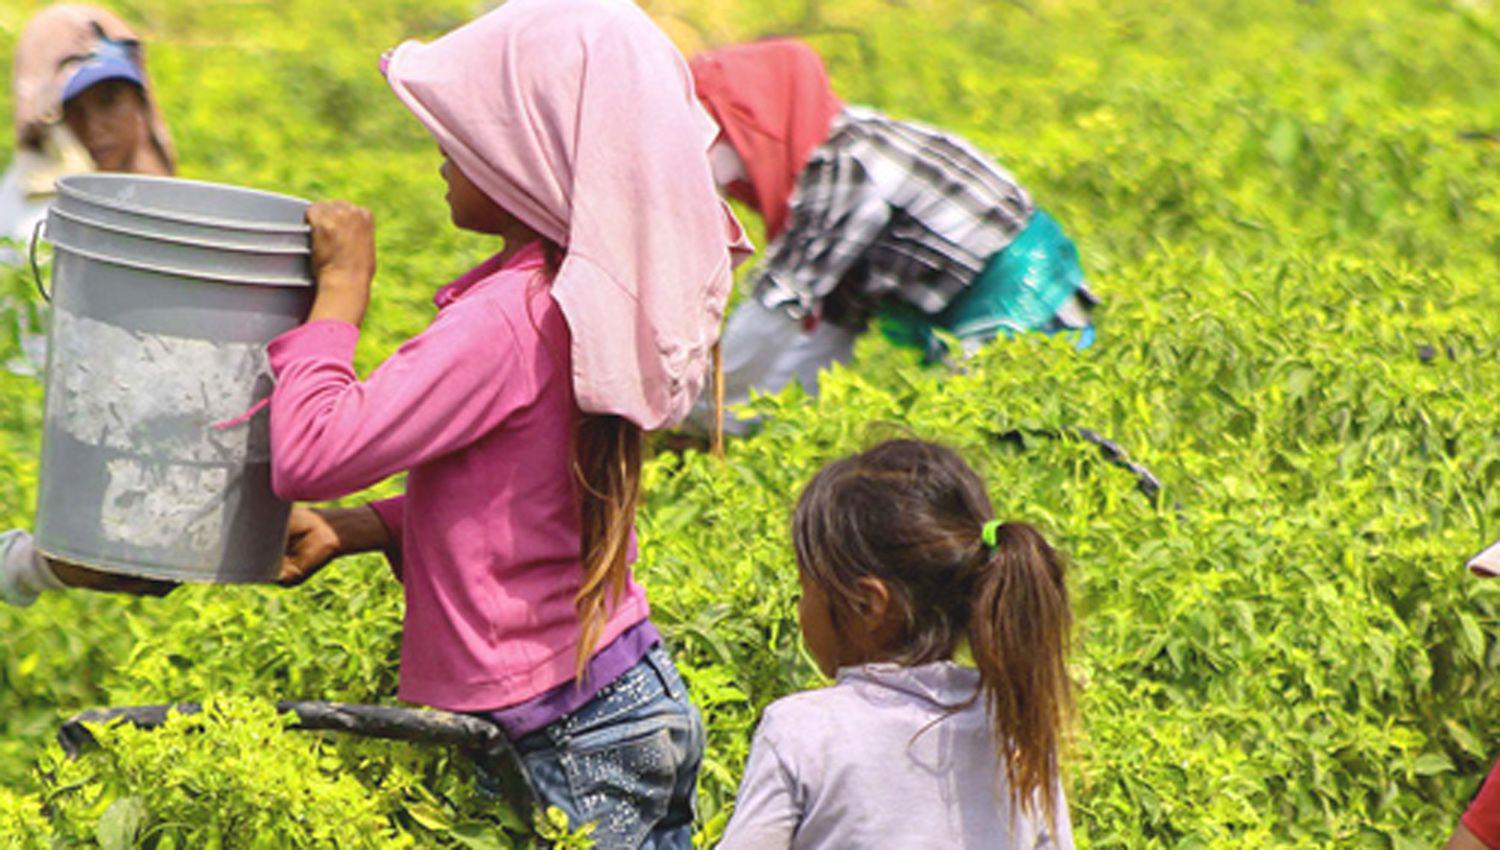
{"points": [[1020, 289]]}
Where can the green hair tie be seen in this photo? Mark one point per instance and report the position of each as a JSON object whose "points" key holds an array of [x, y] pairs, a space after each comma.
{"points": [[991, 534]]}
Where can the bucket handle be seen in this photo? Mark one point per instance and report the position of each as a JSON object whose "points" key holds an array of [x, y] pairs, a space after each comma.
{"points": [[36, 272]]}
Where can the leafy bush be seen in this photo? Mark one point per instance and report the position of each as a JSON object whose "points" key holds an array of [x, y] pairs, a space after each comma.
{"points": [[25, 828], [227, 776], [1297, 252]]}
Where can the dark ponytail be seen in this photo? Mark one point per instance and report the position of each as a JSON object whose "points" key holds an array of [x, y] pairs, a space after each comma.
{"points": [[1018, 632], [913, 514]]}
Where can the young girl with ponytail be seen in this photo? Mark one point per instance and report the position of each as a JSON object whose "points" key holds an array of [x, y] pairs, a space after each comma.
{"points": [[947, 631], [569, 129]]}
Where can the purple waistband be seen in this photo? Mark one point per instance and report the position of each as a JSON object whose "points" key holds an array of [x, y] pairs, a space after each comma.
{"points": [[607, 665]]}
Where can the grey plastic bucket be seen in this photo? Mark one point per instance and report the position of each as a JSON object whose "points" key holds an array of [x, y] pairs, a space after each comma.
{"points": [[134, 244], [190, 204], [151, 466]]}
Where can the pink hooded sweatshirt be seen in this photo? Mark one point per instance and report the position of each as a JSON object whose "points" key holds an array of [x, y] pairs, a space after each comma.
{"points": [[577, 116]]}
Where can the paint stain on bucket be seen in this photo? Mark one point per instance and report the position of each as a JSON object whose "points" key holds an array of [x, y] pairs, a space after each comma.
{"points": [[132, 392], [164, 504], [126, 390]]}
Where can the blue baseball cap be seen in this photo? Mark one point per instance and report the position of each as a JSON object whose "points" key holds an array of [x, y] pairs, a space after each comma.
{"points": [[112, 60]]}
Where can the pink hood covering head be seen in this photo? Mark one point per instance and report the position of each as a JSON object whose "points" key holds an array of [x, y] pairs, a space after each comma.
{"points": [[579, 118]]}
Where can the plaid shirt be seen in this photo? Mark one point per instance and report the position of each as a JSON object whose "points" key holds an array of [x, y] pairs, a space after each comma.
{"points": [[888, 208]]}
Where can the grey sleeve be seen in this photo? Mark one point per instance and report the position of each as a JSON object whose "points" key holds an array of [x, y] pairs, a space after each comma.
{"points": [[767, 810], [1060, 835]]}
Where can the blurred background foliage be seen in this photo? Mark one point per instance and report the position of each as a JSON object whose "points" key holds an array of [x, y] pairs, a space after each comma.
{"points": [[1290, 210]]}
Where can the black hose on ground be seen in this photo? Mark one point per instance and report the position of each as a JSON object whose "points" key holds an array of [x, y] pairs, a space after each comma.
{"points": [[392, 723], [1145, 480]]}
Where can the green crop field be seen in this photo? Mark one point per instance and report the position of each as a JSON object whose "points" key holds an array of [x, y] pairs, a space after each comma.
{"points": [[1292, 214]]}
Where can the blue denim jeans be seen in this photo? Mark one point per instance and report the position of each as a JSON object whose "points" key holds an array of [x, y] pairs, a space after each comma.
{"points": [[626, 761]]}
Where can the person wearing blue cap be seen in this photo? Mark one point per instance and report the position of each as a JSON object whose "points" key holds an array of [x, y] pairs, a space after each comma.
{"points": [[83, 102]]}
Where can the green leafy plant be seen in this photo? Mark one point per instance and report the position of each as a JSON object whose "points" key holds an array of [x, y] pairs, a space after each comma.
{"points": [[552, 825], [1295, 244]]}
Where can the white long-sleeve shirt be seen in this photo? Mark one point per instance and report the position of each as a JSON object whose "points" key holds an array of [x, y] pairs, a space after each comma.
{"points": [[881, 760]]}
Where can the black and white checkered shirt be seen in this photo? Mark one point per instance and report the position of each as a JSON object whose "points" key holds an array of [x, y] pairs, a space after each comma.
{"points": [[888, 208]]}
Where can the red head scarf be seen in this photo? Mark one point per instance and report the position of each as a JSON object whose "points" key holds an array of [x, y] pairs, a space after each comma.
{"points": [[773, 101]]}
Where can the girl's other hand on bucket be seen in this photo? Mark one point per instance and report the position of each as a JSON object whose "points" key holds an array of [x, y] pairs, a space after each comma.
{"points": [[343, 260], [311, 543], [317, 536]]}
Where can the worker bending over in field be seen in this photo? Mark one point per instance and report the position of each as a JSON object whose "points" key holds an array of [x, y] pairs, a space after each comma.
{"points": [[947, 633], [568, 129], [1479, 828], [83, 102], [868, 217]]}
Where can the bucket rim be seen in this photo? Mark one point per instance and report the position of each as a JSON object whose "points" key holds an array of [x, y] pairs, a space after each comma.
{"points": [[175, 240], [64, 188], [136, 265]]}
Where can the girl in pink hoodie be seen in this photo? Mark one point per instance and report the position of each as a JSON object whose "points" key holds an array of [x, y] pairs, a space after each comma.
{"points": [[570, 130]]}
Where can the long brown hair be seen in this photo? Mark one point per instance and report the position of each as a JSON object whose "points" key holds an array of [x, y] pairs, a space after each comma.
{"points": [[912, 514], [606, 463]]}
